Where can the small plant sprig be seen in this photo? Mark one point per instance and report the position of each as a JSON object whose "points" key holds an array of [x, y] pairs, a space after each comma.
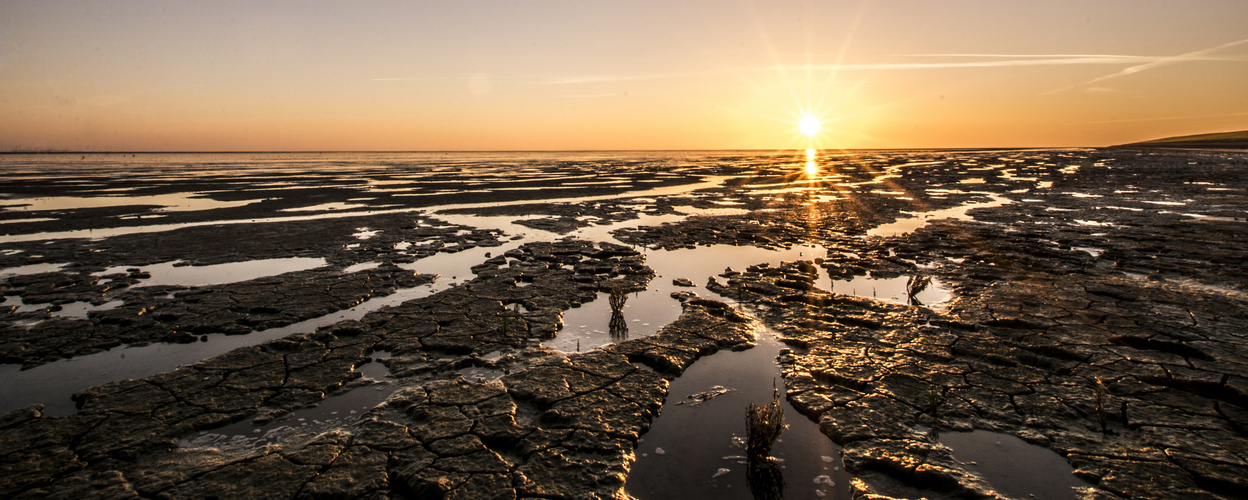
{"points": [[933, 398], [914, 286], [1099, 387], [510, 317], [617, 298], [763, 424]]}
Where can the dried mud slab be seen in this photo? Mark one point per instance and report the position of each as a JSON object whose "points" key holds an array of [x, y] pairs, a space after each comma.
{"points": [[1112, 374], [559, 426]]}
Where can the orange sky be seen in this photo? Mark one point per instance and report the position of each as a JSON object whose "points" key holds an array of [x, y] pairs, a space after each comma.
{"points": [[551, 75]]}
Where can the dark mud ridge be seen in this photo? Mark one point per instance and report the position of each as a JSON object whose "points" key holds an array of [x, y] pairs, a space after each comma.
{"points": [[1097, 310]]}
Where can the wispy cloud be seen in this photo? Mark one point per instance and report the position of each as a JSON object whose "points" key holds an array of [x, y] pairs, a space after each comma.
{"points": [[592, 96], [1169, 118], [991, 61], [1133, 63], [420, 79], [576, 80], [1199, 55], [1004, 61], [1157, 62]]}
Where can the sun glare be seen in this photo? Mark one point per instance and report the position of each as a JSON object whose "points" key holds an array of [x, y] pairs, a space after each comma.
{"points": [[809, 125]]}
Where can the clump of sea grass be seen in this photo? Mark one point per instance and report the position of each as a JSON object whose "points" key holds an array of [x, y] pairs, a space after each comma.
{"points": [[509, 317], [763, 424], [617, 298], [933, 398], [914, 286]]}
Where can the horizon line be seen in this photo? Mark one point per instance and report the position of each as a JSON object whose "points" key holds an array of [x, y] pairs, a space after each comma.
{"points": [[328, 151]]}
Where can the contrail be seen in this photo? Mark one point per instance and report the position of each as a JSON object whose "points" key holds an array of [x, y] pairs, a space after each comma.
{"points": [[1168, 60]]}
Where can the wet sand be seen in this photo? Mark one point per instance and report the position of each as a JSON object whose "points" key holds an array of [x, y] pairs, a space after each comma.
{"points": [[435, 325]]}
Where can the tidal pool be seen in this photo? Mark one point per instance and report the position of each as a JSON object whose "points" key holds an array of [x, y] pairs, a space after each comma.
{"points": [[176, 273], [589, 326], [1014, 467], [696, 451]]}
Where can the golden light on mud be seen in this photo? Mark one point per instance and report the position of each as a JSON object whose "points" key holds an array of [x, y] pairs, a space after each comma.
{"points": [[809, 125], [811, 167]]}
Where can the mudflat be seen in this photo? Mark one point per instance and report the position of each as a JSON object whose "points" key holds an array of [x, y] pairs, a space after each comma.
{"points": [[507, 325]]}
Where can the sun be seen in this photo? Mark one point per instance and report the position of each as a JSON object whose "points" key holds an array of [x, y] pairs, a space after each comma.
{"points": [[809, 125]]}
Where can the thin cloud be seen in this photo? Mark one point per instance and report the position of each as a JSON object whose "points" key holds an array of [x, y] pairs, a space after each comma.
{"points": [[576, 80], [442, 78], [1199, 55], [1052, 61], [1025, 61], [1135, 64], [420, 78], [1037, 56], [1157, 62], [1168, 118], [591, 96]]}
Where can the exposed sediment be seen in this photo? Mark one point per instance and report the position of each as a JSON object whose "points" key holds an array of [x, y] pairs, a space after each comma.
{"points": [[558, 426], [1098, 311]]}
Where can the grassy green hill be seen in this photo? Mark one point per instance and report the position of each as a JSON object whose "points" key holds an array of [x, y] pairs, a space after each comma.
{"points": [[1221, 140]]}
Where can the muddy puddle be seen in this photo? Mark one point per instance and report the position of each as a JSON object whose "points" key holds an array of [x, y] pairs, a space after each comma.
{"points": [[1014, 467], [590, 326], [895, 290], [31, 269], [178, 273], [697, 450], [644, 313], [333, 412]]}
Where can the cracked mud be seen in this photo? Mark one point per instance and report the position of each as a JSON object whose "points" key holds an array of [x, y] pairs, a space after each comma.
{"points": [[1098, 310]]}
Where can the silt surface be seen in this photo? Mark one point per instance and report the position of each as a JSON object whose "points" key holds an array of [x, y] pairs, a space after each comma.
{"points": [[1096, 312]]}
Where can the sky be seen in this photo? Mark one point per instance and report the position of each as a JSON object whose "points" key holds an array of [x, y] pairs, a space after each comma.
{"points": [[416, 75]]}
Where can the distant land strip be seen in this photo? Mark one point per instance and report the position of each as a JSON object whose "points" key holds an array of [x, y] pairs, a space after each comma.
{"points": [[1221, 140]]}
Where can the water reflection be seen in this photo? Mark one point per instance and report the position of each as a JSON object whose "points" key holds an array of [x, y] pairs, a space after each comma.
{"points": [[765, 479]]}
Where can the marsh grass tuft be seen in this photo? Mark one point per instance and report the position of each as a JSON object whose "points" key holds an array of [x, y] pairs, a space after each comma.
{"points": [[914, 286], [617, 298], [763, 424], [509, 317], [933, 399]]}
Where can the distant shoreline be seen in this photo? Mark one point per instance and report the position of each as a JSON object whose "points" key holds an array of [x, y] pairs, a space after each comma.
{"points": [[1218, 141], [1241, 146]]}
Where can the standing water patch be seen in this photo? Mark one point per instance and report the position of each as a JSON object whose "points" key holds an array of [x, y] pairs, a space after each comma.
{"points": [[895, 290], [695, 448], [177, 273], [1015, 468]]}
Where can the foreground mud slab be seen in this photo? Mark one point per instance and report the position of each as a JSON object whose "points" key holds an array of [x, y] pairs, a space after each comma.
{"points": [[453, 438], [1098, 309]]}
